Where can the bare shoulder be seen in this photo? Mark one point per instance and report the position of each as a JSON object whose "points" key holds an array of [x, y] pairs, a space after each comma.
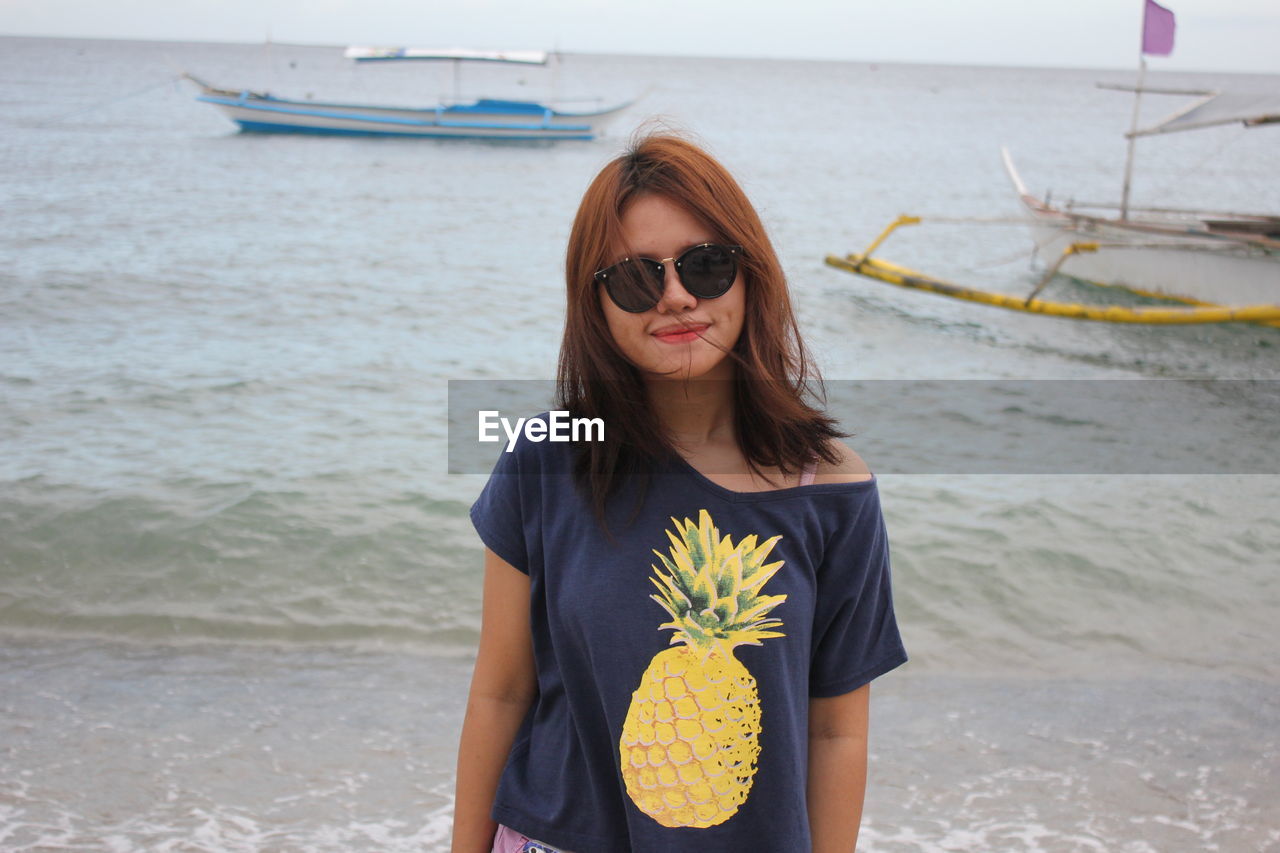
{"points": [[849, 467]]}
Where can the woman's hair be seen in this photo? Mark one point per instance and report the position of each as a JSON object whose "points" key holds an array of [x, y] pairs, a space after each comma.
{"points": [[775, 422]]}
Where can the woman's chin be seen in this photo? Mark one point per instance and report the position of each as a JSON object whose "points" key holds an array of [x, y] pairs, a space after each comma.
{"points": [[687, 371]]}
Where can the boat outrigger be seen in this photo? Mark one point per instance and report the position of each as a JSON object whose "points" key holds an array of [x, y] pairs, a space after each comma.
{"points": [[1223, 266], [872, 267], [483, 118]]}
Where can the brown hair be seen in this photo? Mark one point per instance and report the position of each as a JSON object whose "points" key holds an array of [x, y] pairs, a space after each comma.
{"points": [[776, 423]]}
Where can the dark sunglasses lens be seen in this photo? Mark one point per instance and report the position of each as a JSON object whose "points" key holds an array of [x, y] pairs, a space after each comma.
{"points": [[708, 271], [634, 285]]}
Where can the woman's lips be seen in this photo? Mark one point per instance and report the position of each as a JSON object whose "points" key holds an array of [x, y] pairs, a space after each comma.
{"points": [[681, 334]]}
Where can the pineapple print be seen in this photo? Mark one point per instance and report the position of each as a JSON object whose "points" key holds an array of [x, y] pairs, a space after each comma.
{"points": [[692, 733]]}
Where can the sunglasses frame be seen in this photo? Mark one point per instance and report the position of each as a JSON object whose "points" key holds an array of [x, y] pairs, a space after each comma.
{"points": [[602, 276]]}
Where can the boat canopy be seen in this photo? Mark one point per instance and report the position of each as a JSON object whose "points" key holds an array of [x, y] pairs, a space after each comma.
{"points": [[1248, 108], [389, 54]]}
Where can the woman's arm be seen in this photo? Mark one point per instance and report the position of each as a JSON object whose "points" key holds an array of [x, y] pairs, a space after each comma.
{"points": [[837, 769], [502, 688]]}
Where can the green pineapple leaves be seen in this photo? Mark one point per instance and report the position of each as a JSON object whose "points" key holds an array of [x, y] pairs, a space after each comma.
{"points": [[712, 588]]}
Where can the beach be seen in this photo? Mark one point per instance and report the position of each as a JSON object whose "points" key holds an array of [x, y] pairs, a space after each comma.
{"points": [[239, 591]]}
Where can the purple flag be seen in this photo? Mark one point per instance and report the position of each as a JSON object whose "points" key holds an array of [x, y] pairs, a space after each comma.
{"points": [[1157, 30]]}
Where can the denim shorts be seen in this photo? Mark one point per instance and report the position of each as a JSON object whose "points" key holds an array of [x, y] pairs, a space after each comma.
{"points": [[509, 841]]}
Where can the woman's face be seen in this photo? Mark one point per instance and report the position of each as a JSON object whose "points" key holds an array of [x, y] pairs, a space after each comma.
{"points": [[682, 337]]}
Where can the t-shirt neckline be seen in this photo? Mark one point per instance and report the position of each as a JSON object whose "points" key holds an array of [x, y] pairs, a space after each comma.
{"points": [[706, 483]]}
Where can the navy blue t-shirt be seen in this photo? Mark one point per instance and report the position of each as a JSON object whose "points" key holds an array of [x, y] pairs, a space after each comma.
{"points": [[596, 632]]}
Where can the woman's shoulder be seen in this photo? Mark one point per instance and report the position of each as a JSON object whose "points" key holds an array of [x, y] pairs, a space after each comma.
{"points": [[849, 467]]}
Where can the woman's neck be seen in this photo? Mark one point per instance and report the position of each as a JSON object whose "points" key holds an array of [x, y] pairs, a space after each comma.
{"points": [[696, 413]]}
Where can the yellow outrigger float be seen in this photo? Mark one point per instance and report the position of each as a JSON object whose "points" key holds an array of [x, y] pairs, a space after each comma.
{"points": [[881, 270]]}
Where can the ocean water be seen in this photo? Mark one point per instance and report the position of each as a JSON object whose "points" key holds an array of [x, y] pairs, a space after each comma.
{"points": [[239, 593]]}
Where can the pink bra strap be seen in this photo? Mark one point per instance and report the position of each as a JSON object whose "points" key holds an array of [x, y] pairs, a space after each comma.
{"points": [[810, 471]]}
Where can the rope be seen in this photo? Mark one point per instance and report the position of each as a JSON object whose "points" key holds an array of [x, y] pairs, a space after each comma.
{"points": [[1003, 260], [102, 104], [975, 220], [1021, 255], [1212, 154]]}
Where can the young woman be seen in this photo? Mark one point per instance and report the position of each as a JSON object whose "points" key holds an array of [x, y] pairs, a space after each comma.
{"points": [[680, 622]]}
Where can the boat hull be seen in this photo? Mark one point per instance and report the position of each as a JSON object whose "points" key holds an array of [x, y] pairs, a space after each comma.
{"points": [[514, 120], [1173, 256], [1202, 271]]}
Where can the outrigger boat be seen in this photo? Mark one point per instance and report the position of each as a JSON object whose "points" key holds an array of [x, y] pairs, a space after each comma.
{"points": [[483, 118], [1224, 267]]}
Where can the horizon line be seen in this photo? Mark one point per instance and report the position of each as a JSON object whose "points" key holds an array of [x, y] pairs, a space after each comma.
{"points": [[730, 57]]}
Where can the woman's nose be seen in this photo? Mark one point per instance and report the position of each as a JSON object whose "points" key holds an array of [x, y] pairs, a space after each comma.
{"points": [[674, 296]]}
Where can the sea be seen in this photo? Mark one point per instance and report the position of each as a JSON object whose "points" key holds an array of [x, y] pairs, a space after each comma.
{"points": [[239, 591]]}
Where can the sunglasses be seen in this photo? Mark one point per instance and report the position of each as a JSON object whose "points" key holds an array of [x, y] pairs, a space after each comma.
{"points": [[636, 284]]}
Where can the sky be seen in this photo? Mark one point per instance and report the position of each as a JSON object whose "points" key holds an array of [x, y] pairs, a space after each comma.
{"points": [[1212, 35]]}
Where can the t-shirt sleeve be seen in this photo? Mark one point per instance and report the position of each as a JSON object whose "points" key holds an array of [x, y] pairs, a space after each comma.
{"points": [[498, 514], [855, 634]]}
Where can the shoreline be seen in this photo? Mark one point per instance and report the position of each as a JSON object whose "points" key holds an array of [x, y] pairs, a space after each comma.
{"points": [[245, 749]]}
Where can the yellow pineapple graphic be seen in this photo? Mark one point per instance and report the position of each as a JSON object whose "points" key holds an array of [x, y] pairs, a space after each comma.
{"points": [[692, 733]]}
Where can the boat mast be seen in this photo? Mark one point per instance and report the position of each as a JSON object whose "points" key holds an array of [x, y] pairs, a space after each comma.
{"points": [[1157, 40], [1133, 127]]}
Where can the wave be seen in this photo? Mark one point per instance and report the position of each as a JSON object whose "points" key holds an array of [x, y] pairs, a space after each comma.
{"points": [[230, 563], [158, 629]]}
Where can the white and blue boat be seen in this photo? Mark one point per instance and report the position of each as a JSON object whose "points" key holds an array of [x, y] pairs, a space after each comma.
{"points": [[483, 118]]}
